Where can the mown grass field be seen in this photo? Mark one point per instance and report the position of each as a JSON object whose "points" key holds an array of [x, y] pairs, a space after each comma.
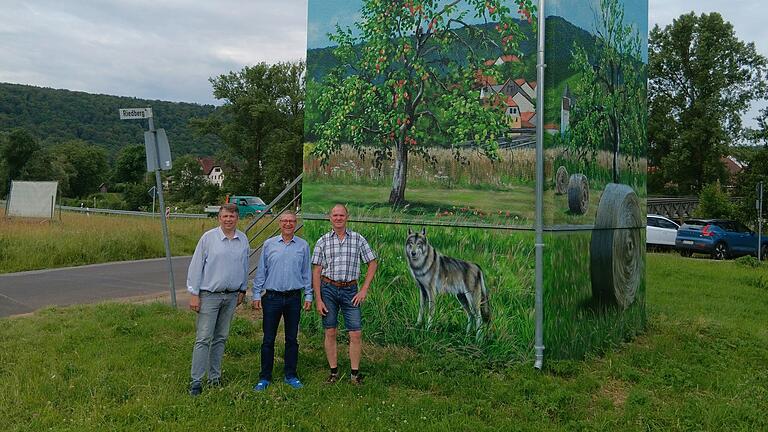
{"points": [[79, 239], [700, 365]]}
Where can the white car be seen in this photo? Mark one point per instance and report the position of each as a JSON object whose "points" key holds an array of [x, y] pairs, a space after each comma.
{"points": [[660, 232]]}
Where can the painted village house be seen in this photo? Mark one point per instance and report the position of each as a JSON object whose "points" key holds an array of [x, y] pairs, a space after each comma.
{"points": [[517, 97]]}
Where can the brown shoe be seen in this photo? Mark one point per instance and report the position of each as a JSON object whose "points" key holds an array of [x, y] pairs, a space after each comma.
{"points": [[332, 378], [356, 379]]}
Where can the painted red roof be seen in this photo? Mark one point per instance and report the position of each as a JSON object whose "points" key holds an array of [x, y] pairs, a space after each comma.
{"points": [[483, 79], [527, 116]]}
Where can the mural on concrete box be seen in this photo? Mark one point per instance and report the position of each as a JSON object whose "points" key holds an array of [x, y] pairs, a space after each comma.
{"points": [[596, 111], [422, 110], [422, 113], [465, 290]]}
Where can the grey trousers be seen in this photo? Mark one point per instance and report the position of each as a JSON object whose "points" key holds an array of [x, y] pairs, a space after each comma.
{"points": [[213, 319]]}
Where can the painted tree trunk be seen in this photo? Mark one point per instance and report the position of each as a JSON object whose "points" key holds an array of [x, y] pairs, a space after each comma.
{"points": [[397, 196]]}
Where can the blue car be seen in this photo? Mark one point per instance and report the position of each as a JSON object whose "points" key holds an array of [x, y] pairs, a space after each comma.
{"points": [[720, 238]]}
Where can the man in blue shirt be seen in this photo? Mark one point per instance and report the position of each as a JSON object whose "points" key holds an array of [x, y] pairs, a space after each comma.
{"points": [[282, 280], [217, 279]]}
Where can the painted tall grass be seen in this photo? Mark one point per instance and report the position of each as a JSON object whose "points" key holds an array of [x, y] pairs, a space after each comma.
{"points": [[389, 314], [467, 168], [445, 168], [576, 325]]}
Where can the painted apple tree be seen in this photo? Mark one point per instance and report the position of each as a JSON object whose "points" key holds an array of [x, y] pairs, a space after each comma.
{"points": [[408, 80]]}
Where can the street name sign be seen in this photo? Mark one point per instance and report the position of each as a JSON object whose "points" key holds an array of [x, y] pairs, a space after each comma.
{"points": [[135, 113]]}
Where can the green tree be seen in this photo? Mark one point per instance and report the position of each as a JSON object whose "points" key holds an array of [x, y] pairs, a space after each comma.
{"points": [[137, 196], [263, 110], [714, 203], [130, 165], [86, 165], [188, 185], [16, 151], [701, 79], [187, 179], [396, 92], [759, 135], [610, 93], [746, 182]]}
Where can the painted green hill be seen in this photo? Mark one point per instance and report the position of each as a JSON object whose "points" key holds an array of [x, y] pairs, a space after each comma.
{"points": [[321, 60]]}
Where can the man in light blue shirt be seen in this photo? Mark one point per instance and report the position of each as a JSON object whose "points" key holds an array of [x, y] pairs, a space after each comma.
{"points": [[282, 280], [217, 279]]}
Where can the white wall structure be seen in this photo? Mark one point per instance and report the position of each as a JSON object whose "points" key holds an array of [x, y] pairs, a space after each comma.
{"points": [[32, 199]]}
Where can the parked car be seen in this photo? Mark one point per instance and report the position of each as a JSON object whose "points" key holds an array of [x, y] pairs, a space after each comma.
{"points": [[660, 232], [246, 206], [719, 238]]}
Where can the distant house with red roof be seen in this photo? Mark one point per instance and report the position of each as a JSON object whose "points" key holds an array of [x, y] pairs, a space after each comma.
{"points": [[733, 166], [212, 171]]}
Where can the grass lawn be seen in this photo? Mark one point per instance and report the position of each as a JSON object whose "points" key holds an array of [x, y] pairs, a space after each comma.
{"points": [[79, 239], [701, 365]]}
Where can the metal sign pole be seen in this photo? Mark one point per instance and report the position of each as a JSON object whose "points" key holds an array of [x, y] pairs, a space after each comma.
{"points": [[759, 220], [539, 214], [164, 222]]}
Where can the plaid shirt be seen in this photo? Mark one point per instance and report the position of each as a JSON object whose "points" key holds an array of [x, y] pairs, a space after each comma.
{"points": [[340, 260]]}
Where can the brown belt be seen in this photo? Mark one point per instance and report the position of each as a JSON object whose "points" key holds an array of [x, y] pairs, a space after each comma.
{"points": [[339, 284]]}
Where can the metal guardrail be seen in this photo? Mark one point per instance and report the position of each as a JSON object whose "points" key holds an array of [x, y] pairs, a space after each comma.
{"points": [[676, 207], [131, 213], [123, 212]]}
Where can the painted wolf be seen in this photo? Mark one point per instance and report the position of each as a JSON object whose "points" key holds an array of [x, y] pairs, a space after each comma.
{"points": [[436, 273]]}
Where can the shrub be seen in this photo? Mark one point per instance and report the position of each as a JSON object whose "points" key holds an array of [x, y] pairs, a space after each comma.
{"points": [[748, 261], [714, 203]]}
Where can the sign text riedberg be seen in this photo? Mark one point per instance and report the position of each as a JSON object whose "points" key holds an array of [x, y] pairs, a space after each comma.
{"points": [[135, 113]]}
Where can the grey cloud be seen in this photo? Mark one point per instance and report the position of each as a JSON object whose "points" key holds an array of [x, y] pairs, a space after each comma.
{"points": [[145, 48]]}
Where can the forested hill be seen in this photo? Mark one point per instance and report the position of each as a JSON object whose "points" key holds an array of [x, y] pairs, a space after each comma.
{"points": [[55, 116]]}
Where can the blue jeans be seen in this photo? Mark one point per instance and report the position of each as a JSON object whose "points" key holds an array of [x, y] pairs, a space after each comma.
{"points": [[288, 306], [335, 299], [213, 319]]}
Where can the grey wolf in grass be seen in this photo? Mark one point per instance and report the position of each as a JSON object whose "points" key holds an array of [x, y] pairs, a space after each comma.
{"points": [[436, 273]]}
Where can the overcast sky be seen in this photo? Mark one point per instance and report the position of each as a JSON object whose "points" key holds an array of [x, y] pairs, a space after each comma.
{"points": [[167, 49]]}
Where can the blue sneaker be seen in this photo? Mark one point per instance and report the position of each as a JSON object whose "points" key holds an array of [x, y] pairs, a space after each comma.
{"points": [[294, 382], [261, 385]]}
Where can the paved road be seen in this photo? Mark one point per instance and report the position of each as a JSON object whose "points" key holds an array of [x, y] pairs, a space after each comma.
{"points": [[28, 291]]}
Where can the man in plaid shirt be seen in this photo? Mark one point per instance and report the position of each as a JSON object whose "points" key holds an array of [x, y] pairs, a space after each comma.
{"points": [[336, 268]]}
